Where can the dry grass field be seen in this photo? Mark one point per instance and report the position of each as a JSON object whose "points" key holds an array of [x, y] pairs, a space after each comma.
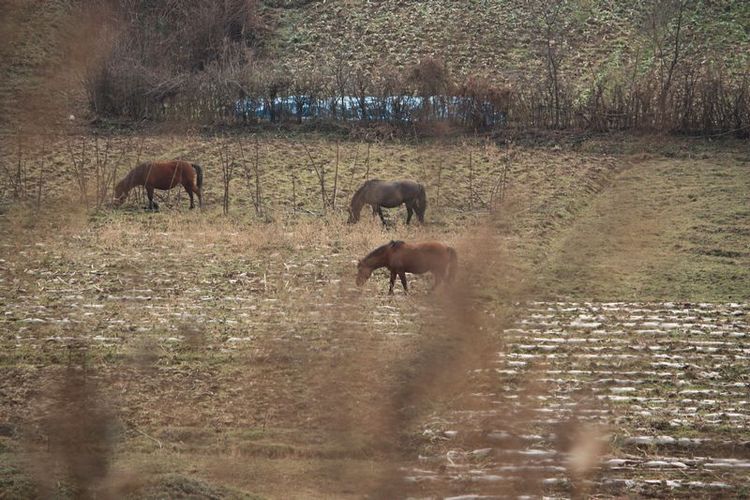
{"points": [[595, 342]]}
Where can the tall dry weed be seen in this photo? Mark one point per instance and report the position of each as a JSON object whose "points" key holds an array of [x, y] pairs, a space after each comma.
{"points": [[77, 426]]}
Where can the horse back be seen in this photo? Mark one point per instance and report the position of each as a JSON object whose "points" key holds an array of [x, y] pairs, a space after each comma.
{"points": [[391, 194], [167, 174], [422, 257]]}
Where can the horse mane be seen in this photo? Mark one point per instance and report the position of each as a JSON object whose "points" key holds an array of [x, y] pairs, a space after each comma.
{"points": [[124, 186], [361, 189], [382, 248], [126, 183]]}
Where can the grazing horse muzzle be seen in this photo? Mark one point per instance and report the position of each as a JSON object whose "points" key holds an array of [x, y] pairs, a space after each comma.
{"points": [[363, 274]]}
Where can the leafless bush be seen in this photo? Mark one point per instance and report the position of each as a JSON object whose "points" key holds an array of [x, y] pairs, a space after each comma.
{"points": [[307, 88], [228, 166], [253, 176], [497, 193], [340, 72], [15, 174], [552, 46], [320, 172], [391, 88], [175, 61], [431, 80], [204, 65], [192, 34], [274, 82], [95, 160], [23, 175], [484, 102], [105, 170], [79, 160], [335, 178]]}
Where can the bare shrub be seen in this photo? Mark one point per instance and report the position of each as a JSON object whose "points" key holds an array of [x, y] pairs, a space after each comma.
{"points": [[253, 176], [170, 58], [124, 87], [228, 166], [192, 34], [204, 62], [94, 160], [431, 80], [16, 174], [341, 72], [273, 82], [484, 102], [307, 89], [320, 173], [391, 88]]}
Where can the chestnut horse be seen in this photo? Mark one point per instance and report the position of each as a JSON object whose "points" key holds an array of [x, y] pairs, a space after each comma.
{"points": [[162, 175], [417, 258], [378, 194]]}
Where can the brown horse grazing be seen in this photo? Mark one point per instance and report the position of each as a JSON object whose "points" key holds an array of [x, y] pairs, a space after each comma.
{"points": [[417, 258], [378, 194], [162, 175]]}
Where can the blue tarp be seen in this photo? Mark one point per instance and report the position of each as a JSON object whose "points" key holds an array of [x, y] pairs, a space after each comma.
{"points": [[397, 108]]}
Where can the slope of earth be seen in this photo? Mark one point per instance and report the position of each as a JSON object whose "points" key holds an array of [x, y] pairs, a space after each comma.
{"points": [[498, 39], [233, 354], [614, 398], [44, 55], [674, 229], [47, 51]]}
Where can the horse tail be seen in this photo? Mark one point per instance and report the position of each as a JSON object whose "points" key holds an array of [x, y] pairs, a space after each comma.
{"points": [[199, 173], [452, 264]]}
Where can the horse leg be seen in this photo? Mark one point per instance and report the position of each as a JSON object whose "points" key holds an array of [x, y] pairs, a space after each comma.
{"points": [[402, 275], [189, 190], [393, 281], [409, 213], [152, 205], [420, 213], [382, 217]]}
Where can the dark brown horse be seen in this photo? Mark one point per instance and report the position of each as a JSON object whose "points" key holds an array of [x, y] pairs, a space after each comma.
{"points": [[417, 258], [162, 175], [378, 194]]}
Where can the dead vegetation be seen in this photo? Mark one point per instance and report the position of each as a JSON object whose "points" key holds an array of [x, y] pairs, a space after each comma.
{"points": [[227, 353], [238, 353]]}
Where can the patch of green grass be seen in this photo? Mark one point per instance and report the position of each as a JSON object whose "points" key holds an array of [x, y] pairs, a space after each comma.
{"points": [[639, 239]]}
